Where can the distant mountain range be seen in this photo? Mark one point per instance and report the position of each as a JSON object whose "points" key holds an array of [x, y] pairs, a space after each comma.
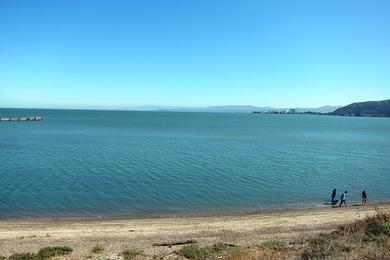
{"points": [[234, 109], [369, 108]]}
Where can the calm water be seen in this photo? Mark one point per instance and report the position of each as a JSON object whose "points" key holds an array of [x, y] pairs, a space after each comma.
{"points": [[77, 163]]}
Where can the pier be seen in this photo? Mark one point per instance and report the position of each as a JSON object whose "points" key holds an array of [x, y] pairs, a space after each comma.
{"points": [[20, 118]]}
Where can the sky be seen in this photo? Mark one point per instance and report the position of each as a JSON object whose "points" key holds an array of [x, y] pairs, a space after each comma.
{"points": [[118, 54]]}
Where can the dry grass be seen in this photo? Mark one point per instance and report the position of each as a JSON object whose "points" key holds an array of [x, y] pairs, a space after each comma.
{"points": [[368, 238]]}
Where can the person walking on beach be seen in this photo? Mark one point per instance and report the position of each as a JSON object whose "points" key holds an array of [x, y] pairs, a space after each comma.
{"points": [[364, 198], [342, 199], [334, 201]]}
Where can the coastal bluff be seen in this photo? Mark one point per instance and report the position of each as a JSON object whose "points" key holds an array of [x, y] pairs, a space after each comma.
{"points": [[366, 109]]}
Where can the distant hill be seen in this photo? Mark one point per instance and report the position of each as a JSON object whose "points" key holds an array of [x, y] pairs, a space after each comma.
{"points": [[370, 108], [222, 109], [323, 109], [245, 109]]}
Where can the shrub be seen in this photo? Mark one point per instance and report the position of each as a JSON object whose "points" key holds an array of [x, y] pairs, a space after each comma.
{"points": [[130, 254], [48, 252], [196, 252]]}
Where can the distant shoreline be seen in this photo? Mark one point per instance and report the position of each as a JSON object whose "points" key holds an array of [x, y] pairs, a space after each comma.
{"points": [[306, 113], [358, 109], [213, 109]]}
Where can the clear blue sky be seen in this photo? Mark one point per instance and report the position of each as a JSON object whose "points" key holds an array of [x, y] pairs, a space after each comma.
{"points": [[109, 54]]}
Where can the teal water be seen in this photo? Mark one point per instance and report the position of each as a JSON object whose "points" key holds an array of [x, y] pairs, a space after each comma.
{"points": [[92, 163]]}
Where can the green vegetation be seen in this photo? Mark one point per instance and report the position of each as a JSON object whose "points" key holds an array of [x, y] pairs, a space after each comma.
{"points": [[98, 249], [275, 245], [198, 253], [48, 252], [130, 254], [44, 253]]}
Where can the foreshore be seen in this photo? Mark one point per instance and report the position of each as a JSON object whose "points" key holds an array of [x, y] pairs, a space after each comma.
{"points": [[117, 234]]}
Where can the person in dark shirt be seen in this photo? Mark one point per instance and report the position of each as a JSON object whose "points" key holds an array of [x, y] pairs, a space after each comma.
{"points": [[342, 199], [364, 198], [334, 201]]}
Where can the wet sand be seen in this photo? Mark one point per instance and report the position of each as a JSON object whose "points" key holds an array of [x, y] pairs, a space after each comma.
{"points": [[117, 234]]}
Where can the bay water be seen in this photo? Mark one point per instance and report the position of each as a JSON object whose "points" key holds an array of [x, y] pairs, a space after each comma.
{"points": [[112, 163]]}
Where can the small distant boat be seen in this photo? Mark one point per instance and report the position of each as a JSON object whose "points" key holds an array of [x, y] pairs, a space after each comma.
{"points": [[20, 118]]}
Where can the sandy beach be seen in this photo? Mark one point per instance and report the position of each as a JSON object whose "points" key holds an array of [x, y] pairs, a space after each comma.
{"points": [[115, 235]]}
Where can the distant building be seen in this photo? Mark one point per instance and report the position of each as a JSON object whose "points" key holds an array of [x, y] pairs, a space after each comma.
{"points": [[291, 111]]}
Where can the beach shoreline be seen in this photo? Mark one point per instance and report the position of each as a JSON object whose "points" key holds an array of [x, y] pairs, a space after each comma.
{"points": [[201, 214], [117, 234]]}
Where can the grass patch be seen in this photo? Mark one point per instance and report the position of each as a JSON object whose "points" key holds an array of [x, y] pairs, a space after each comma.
{"points": [[48, 252], [198, 253], [44, 253], [98, 249], [130, 254], [275, 245]]}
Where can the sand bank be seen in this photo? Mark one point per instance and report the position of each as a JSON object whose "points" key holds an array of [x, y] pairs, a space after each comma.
{"points": [[117, 234]]}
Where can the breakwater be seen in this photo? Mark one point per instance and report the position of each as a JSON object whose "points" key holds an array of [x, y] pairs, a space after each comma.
{"points": [[20, 118]]}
